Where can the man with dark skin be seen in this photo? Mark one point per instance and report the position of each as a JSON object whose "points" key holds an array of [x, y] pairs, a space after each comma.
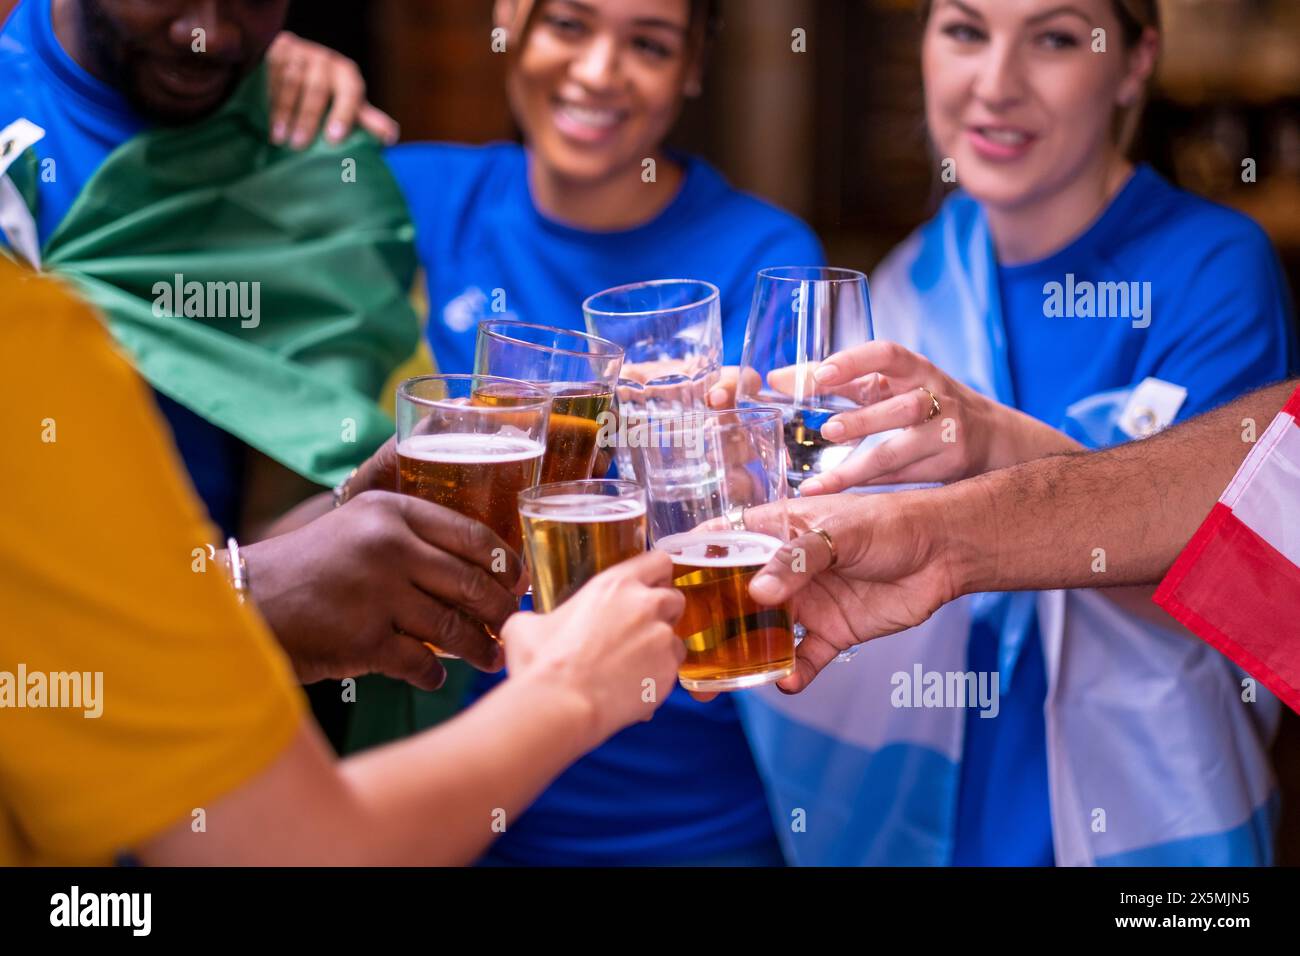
{"points": [[175, 62], [365, 588], [199, 712], [201, 752]]}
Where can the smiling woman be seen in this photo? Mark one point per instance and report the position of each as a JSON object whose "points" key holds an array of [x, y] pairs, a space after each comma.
{"points": [[1027, 102], [595, 89], [1035, 103], [593, 199]]}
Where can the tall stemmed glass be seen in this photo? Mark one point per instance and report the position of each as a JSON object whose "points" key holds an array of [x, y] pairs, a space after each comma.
{"points": [[799, 317]]}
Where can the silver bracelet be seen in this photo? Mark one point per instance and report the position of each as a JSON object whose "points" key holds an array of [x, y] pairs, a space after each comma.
{"points": [[238, 570]]}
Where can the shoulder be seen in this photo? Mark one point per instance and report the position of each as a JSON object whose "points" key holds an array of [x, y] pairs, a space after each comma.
{"points": [[16, 62], [739, 213], [1221, 311], [427, 170], [920, 260], [1172, 225], [16, 29], [61, 361], [1214, 267]]}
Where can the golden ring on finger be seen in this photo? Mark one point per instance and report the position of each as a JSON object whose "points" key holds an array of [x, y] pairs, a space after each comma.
{"points": [[830, 544], [934, 404]]}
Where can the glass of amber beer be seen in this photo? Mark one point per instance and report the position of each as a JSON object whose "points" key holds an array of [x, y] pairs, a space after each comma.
{"points": [[472, 443], [580, 371], [702, 470], [573, 530]]}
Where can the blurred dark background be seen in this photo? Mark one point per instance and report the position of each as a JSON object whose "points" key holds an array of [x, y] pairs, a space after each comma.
{"points": [[836, 134]]}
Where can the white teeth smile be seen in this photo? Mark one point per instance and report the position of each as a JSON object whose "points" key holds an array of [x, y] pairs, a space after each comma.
{"points": [[588, 116], [1006, 137]]}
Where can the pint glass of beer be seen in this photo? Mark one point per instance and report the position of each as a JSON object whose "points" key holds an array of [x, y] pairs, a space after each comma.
{"points": [[573, 530], [702, 470], [671, 332], [580, 372], [472, 443]]}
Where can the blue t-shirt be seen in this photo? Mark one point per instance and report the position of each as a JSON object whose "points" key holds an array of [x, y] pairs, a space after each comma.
{"points": [[682, 787], [1220, 323], [84, 121]]}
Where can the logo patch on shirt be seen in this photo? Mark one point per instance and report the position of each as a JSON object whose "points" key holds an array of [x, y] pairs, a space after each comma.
{"points": [[472, 306]]}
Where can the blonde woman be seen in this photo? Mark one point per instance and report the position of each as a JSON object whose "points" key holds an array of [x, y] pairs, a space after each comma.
{"points": [[1061, 298]]}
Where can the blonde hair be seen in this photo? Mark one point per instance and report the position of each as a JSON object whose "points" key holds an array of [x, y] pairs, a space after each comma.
{"points": [[1135, 18]]}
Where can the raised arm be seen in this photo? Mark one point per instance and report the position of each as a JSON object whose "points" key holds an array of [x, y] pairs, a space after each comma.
{"points": [[440, 798], [1140, 501], [1038, 525]]}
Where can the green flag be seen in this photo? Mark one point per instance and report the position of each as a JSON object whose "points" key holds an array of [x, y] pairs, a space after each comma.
{"points": [[320, 241], [263, 288]]}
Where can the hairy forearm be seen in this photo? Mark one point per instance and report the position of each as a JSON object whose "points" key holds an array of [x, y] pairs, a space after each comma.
{"points": [[1099, 519]]}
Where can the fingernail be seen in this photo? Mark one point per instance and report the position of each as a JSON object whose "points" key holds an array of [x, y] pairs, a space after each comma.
{"points": [[833, 430], [810, 487], [764, 586], [278, 133], [300, 139], [825, 372], [335, 132]]}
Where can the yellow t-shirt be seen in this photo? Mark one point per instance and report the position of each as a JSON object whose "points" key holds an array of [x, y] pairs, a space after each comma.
{"points": [[99, 532]]}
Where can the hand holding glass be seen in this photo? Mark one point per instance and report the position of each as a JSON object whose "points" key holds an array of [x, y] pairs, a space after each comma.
{"points": [[702, 470], [799, 317]]}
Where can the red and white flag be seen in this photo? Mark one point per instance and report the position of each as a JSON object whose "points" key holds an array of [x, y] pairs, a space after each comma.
{"points": [[1237, 583]]}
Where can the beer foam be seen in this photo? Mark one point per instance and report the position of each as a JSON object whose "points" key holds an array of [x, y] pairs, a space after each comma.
{"points": [[583, 508], [469, 449], [745, 548]]}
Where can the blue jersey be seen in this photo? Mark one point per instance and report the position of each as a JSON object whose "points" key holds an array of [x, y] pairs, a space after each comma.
{"points": [[682, 787], [84, 121], [1205, 307]]}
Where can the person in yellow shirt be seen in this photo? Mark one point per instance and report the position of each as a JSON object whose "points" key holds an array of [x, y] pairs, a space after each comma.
{"points": [[145, 710]]}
